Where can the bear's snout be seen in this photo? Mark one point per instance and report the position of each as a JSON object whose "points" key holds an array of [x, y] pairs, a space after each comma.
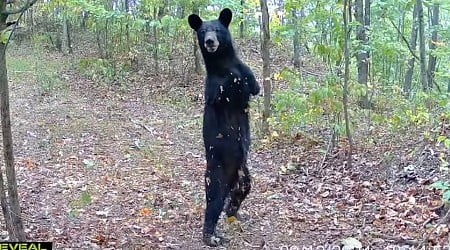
{"points": [[211, 42]]}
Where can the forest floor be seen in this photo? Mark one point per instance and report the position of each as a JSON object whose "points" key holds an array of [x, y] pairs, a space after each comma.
{"points": [[108, 167]]}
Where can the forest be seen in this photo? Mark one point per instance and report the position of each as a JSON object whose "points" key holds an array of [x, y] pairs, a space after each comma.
{"points": [[102, 105]]}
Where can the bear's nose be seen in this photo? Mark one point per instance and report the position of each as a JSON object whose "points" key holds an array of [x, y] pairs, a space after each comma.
{"points": [[209, 42]]}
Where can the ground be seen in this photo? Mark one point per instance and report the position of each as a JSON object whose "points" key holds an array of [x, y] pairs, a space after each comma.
{"points": [[122, 168]]}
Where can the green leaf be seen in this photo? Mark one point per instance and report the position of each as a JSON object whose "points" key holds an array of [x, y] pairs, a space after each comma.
{"points": [[446, 196], [447, 143], [441, 138], [5, 36], [441, 185], [89, 163], [86, 198]]}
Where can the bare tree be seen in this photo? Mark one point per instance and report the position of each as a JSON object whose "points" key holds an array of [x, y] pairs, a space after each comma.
{"points": [[267, 85]]}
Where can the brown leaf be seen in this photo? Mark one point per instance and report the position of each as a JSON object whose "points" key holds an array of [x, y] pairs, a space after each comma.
{"points": [[145, 211], [99, 239]]}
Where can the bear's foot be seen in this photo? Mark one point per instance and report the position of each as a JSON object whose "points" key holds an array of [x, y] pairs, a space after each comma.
{"points": [[237, 217], [213, 240]]}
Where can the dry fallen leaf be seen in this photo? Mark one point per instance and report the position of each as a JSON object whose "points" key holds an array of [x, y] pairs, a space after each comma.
{"points": [[30, 164], [99, 239], [145, 211]]}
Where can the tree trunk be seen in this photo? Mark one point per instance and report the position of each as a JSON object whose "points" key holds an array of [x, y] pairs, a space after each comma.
{"points": [[413, 43], [18, 232], [84, 15], [12, 212], [127, 26], [434, 38], [448, 84], [241, 23], [31, 20], [106, 39], [422, 55], [296, 39], [362, 13], [346, 80], [197, 56], [267, 85], [67, 40]]}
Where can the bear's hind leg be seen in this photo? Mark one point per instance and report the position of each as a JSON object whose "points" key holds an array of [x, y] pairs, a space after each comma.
{"points": [[216, 192], [239, 192]]}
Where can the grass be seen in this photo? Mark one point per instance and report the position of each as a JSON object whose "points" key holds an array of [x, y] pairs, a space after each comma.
{"points": [[27, 65]]}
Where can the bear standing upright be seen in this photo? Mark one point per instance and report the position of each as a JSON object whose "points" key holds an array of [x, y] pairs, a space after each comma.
{"points": [[226, 128]]}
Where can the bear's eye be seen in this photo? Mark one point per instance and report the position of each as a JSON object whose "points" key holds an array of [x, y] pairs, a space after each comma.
{"points": [[202, 31]]}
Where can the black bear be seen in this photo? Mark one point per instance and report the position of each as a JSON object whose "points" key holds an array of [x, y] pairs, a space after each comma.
{"points": [[226, 129]]}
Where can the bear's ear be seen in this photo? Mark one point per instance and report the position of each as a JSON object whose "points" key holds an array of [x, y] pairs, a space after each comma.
{"points": [[225, 17], [195, 21]]}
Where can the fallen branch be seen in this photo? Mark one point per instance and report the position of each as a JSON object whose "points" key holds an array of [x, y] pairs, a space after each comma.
{"points": [[142, 125]]}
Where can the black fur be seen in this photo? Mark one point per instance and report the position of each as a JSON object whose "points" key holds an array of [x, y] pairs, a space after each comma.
{"points": [[226, 129]]}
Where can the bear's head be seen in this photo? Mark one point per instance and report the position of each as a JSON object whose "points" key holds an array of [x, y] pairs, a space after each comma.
{"points": [[213, 36]]}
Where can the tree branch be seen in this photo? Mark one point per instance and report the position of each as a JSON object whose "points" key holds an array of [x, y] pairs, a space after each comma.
{"points": [[405, 40], [14, 28], [20, 10]]}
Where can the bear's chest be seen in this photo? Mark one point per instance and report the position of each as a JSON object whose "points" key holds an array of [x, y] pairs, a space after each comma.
{"points": [[229, 91]]}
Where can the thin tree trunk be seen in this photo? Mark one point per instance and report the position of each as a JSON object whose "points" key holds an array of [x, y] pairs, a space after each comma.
{"points": [[31, 20], [197, 56], [127, 26], [13, 195], [10, 205], [448, 84], [434, 38], [155, 42], [346, 80], [106, 39], [267, 85], [413, 43], [422, 55], [241, 24], [296, 39], [67, 41], [362, 12]]}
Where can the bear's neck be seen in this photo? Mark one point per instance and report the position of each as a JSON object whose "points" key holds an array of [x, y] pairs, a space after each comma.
{"points": [[219, 62]]}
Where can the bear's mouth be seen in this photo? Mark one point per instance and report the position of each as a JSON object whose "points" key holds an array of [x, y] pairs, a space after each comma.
{"points": [[211, 49]]}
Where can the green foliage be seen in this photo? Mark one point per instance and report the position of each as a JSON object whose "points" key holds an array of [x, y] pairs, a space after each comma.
{"points": [[103, 70], [78, 204], [4, 36], [29, 69], [445, 186], [304, 103], [48, 80]]}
